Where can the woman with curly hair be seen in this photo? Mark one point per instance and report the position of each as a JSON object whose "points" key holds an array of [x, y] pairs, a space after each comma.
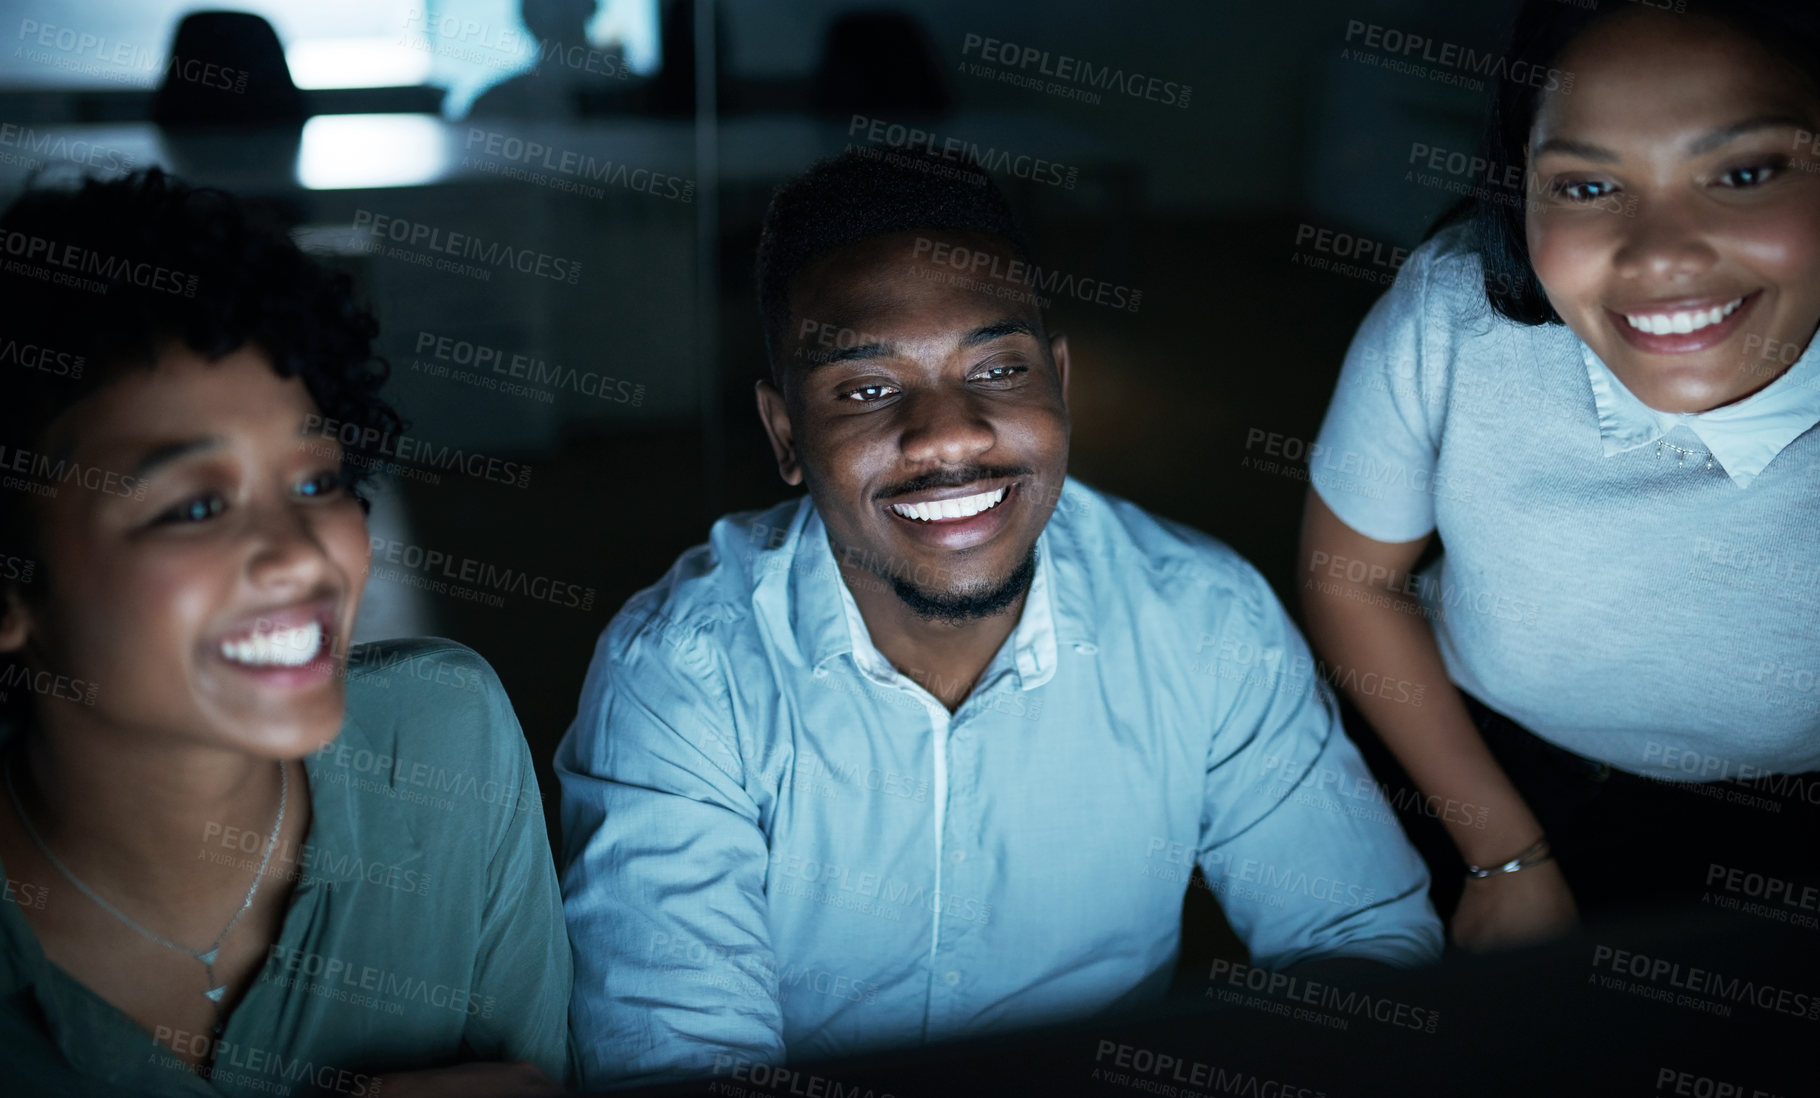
{"points": [[240, 856]]}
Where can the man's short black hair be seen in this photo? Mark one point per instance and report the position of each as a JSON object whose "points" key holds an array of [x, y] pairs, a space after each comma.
{"points": [[863, 193]]}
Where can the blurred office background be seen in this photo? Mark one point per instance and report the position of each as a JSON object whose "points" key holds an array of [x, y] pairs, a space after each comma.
{"points": [[630, 146]]}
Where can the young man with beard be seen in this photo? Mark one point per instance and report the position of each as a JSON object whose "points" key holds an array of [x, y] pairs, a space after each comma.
{"points": [[934, 750]]}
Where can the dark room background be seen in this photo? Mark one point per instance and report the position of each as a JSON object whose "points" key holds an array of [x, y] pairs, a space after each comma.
{"points": [[1235, 204]]}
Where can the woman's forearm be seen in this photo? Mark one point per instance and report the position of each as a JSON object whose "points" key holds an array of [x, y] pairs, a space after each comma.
{"points": [[1370, 630], [1434, 741]]}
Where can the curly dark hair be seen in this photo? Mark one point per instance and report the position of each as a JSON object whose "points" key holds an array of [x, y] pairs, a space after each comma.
{"points": [[1540, 32], [100, 278], [863, 193]]}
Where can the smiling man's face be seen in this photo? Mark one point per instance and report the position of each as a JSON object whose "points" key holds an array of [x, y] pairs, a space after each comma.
{"points": [[928, 417]]}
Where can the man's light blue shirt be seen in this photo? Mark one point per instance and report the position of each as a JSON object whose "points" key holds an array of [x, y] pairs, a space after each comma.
{"points": [[777, 844]]}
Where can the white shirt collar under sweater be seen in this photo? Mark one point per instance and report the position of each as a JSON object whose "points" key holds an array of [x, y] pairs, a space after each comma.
{"points": [[1743, 437]]}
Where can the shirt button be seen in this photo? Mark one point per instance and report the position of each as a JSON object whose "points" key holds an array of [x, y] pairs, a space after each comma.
{"points": [[958, 856], [1086, 649], [951, 977], [821, 672]]}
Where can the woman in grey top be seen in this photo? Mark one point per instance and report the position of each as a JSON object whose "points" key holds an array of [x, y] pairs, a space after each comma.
{"points": [[1599, 390]]}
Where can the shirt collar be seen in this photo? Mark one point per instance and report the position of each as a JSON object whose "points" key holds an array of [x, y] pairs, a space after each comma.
{"points": [[1743, 437], [822, 621], [1031, 645]]}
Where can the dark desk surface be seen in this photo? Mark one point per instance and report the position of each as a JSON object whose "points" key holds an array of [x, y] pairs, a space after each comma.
{"points": [[1685, 1006]]}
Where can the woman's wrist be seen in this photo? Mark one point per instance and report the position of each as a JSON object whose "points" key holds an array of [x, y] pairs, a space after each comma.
{"points": [[1509, 827], [1533, 855]]}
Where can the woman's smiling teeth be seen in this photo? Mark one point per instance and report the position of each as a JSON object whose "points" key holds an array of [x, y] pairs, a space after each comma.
{"points": [[963, 507], [282, 648], [1682, 321]]}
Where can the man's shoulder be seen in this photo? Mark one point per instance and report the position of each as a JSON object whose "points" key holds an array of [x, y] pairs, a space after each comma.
{"points": [[1120, 545], [708, 593]]}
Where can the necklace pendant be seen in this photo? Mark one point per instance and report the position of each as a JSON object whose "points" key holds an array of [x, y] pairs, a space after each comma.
{"points": [[214, 994]]}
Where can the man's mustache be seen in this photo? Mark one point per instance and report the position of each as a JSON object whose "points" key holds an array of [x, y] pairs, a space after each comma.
{"points": [[954, 478]]}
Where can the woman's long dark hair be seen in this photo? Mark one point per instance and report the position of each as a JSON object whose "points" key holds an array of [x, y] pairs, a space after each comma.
{"points": [[1539, 34]]}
